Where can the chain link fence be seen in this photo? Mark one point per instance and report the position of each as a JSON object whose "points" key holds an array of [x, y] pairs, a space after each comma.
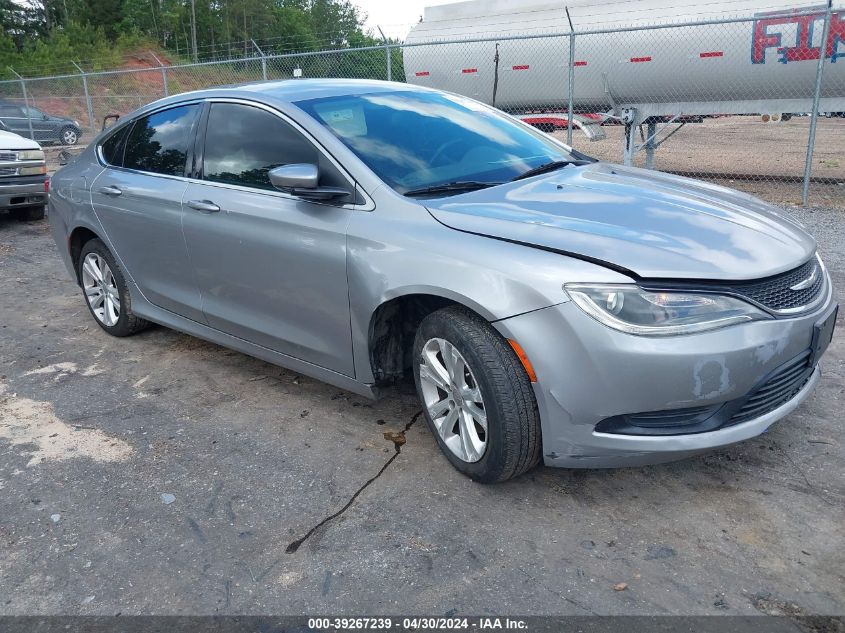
{"points": [[756, 103]]}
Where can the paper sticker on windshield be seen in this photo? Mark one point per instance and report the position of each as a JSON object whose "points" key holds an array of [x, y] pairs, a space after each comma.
{"points": [[340, 115], [345, 121]]}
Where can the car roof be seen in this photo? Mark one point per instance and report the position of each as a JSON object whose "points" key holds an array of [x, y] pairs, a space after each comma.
{"points": [[281, 93], [299, 89], [292, 90]]}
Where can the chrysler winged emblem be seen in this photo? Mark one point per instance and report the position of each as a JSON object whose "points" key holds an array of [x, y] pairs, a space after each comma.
{"points": [[806, 283]]}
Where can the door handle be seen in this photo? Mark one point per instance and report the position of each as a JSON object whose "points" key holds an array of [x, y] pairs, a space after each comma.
{"points": [[110, 190], [206, 206]]}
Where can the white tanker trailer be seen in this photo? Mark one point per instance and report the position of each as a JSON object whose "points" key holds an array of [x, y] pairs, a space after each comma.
{"points": [[766, 65]]}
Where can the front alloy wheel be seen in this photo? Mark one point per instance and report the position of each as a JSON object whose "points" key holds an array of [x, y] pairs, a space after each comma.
{"points": [[476, 396], [453, 399]]}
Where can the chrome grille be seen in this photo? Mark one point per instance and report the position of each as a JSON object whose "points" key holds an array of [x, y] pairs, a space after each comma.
{"points": [[9, 157]]}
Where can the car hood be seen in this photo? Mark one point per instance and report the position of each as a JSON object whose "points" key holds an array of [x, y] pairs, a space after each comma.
{"points": [[10, 140], [652, 224]]}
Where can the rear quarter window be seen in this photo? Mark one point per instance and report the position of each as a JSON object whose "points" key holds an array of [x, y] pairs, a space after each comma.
{"points": [[112, 147]]}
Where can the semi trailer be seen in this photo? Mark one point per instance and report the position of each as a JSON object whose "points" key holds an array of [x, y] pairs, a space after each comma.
{"points": [[644, 61]]}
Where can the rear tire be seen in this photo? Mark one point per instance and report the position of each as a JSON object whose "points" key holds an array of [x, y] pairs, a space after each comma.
{"points": [[106, 292], [485, 382], [29, 214]]}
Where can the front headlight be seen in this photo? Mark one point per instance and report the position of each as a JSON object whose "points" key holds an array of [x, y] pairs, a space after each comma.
{"points": [[631, 309], [31, 154]]}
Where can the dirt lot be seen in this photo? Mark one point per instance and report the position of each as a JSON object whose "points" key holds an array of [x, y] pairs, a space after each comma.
{"points": [[162, 475]]}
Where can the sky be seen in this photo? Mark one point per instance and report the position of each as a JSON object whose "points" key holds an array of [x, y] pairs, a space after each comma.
{"points": [[396, 17]]}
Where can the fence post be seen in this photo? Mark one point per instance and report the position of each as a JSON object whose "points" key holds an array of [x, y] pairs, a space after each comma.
{"points": [[571, 79], [163, 74], [569, 107], [814, 116], [25, 101], [263, 61], [89, 107], [387, 55]]}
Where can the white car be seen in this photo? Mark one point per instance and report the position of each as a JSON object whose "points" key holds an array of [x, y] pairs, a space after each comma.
{"points": [[23, 177]]}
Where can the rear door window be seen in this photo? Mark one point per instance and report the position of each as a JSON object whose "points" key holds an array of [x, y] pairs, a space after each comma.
{"points": [[159, 142]]}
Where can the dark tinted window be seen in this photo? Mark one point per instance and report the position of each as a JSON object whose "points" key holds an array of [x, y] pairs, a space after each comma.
{"points": [[113, 147], [159, 142], [243, 143], [10, 110]]}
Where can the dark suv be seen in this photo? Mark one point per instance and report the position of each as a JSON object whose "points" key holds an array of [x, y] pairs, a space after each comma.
{"points": [[45, 127]]}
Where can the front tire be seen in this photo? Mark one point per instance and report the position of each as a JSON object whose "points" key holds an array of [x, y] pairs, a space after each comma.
{"points": [[106, 292], [476, 396]]}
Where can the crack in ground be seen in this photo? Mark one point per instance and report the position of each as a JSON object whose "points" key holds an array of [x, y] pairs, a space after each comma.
{"points": [[398, 440]]}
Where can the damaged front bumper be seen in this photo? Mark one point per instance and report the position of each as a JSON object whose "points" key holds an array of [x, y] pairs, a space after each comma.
{"points": [[710, 389]]}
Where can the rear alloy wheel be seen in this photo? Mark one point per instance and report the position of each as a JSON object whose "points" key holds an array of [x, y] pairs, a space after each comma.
{"points": [[69, 136], [106, 292], [476, 396], [101, 289]]}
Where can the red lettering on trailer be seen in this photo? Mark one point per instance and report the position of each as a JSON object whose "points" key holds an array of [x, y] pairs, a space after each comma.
{"points": [[523, 67], [581, 63], [712, 54], [768, 32], [467, 71], [637, 60], [423, 73]]}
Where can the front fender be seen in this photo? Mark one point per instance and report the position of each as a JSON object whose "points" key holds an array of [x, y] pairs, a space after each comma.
{"points": [[399, 249]]}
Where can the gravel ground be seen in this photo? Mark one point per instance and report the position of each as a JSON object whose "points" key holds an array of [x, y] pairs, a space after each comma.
{"points": [[163, 475]]}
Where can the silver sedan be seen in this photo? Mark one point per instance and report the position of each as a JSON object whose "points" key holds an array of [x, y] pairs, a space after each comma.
{"points": [[547, 306]]}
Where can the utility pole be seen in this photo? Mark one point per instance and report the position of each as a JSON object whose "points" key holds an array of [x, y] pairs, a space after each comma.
{"points": [[194, 29]]}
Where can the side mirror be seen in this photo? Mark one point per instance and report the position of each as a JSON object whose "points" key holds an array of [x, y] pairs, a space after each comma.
{"points": [[45, 116], [301, 180]]}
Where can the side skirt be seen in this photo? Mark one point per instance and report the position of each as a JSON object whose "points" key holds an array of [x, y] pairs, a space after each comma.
{"points": [[147, 310]]}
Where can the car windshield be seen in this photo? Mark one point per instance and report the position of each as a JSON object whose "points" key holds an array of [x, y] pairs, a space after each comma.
{"points": [[417, 140]]}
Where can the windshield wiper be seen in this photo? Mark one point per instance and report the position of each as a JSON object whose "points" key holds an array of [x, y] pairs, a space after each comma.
{"points": [[451, 187], [547, 167]]}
